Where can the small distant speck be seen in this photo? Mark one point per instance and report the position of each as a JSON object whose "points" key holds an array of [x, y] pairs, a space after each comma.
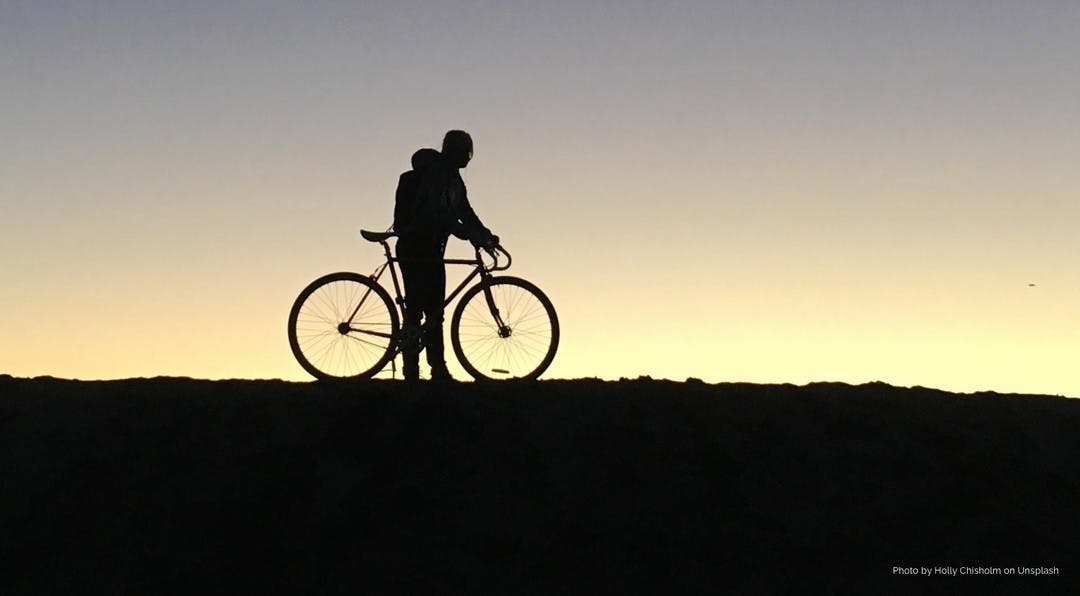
{"points": [[1031, 285]]}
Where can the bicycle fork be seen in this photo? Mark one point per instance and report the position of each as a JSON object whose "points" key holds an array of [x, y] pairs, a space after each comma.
{"points": [[503, 329]]}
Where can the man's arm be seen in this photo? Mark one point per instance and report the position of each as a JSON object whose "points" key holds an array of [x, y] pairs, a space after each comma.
{"points": [[469, 226]]}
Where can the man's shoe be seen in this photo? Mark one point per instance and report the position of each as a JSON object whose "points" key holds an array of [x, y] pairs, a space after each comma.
{"points": [[441, 374]]}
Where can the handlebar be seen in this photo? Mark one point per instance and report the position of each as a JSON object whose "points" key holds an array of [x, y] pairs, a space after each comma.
{"points": [[494, 252]]}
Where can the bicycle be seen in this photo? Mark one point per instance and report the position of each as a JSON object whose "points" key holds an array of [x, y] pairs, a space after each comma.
{"points": [[346, 326]]}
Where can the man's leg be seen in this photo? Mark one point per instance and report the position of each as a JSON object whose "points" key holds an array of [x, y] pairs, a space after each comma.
{"points": [[410, 353], [435, 293]]}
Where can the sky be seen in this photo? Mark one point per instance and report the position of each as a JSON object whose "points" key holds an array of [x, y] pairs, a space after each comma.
{"points": [[767, 192]]}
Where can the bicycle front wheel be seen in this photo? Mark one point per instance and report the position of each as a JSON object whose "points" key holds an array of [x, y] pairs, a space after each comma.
{"points": [[343, 326], [504, 328]]}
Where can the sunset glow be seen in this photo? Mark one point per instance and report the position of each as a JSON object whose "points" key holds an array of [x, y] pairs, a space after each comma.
{"points": [[743, 192]]}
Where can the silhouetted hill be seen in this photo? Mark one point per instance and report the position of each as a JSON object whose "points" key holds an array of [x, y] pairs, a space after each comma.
{"points": [[154, 485]]}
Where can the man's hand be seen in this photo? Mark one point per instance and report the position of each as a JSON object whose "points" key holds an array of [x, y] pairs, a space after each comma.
{"points": [[488, 243]]}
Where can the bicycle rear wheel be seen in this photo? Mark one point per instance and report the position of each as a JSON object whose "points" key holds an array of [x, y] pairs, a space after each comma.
{"points": [[522, 347], [343, 326]]}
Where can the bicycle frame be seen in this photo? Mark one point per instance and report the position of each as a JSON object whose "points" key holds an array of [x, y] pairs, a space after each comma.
{"points": [[479, 268]]}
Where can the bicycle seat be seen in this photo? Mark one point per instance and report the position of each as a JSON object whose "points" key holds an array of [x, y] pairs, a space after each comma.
{"points": [[377, 236]]}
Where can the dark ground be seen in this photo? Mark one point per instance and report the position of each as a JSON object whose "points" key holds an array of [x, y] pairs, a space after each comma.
{"points": [[159, 485]]}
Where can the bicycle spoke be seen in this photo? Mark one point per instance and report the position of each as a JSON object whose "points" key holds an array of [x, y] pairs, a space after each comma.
{"points": [[319, 316], [365, 342], [326, 354], [520, 346], [318, 341], [329, 303], [485, 353]]}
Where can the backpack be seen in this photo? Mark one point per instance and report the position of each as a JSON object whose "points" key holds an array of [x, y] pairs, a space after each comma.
{"points": [[421, 211]]}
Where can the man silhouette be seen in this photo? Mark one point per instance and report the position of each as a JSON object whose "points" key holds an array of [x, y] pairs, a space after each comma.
{"points": [[430, 204]]}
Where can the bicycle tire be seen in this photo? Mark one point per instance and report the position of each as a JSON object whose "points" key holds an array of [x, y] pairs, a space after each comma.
{"points": [[530, 341], [360, 349]]}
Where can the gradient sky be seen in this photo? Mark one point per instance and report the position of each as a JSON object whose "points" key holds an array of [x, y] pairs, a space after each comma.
{"points": [[735, 191]]}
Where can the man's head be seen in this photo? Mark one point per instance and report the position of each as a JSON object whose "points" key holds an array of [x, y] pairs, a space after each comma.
{"points": [[457, 148]]}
